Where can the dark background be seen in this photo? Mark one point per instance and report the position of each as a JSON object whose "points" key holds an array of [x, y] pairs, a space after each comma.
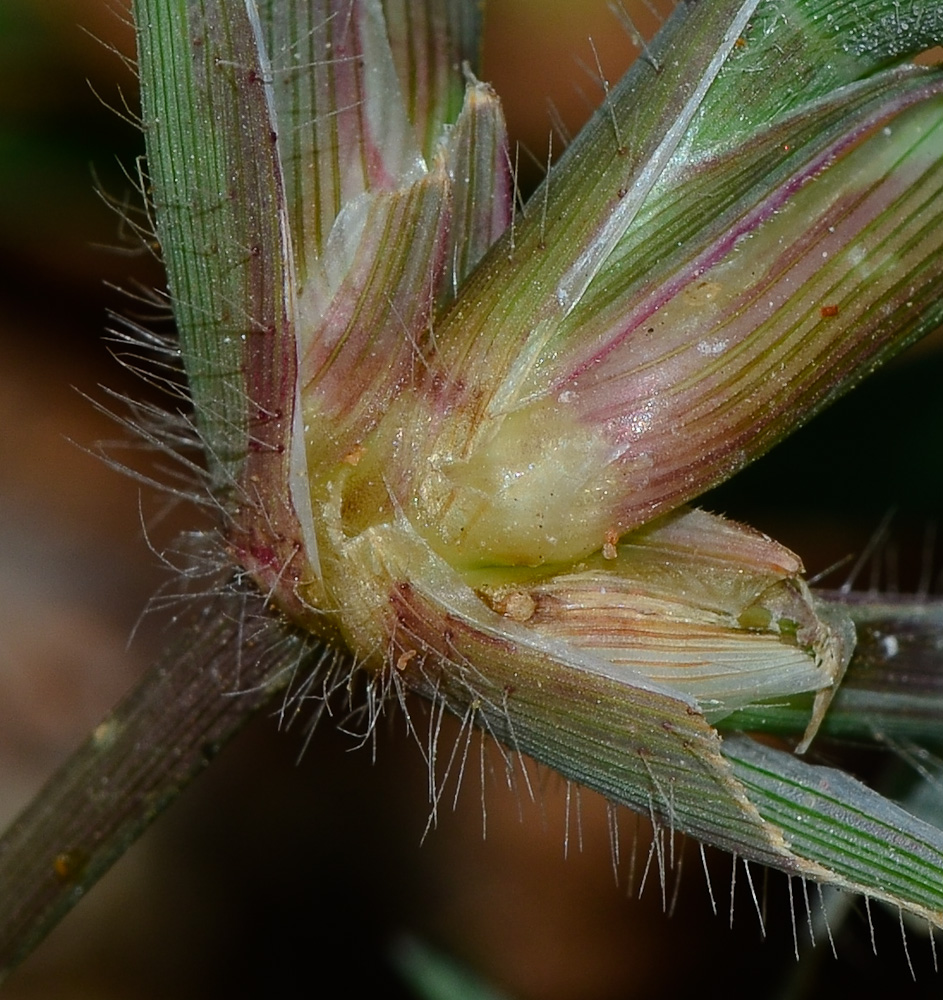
{"points": [[274, 877]]}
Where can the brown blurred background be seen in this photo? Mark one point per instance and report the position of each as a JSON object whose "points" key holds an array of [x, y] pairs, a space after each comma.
{"points": [[278, 878]]}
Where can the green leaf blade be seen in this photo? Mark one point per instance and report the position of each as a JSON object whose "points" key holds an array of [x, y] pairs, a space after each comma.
{"points": [[869, 843]]}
